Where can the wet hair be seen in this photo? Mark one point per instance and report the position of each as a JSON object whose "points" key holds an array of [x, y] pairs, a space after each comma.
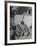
{"points": [[22, 22], [13, 27]]}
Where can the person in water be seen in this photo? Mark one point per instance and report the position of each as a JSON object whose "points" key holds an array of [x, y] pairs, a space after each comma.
{"points": [[13, 33]]}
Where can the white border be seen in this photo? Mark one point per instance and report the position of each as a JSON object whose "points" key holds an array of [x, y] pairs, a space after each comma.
{"points": [[8, 23]]}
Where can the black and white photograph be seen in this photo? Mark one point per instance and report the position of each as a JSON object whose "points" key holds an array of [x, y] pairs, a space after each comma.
{"points": [[20, 22]]}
